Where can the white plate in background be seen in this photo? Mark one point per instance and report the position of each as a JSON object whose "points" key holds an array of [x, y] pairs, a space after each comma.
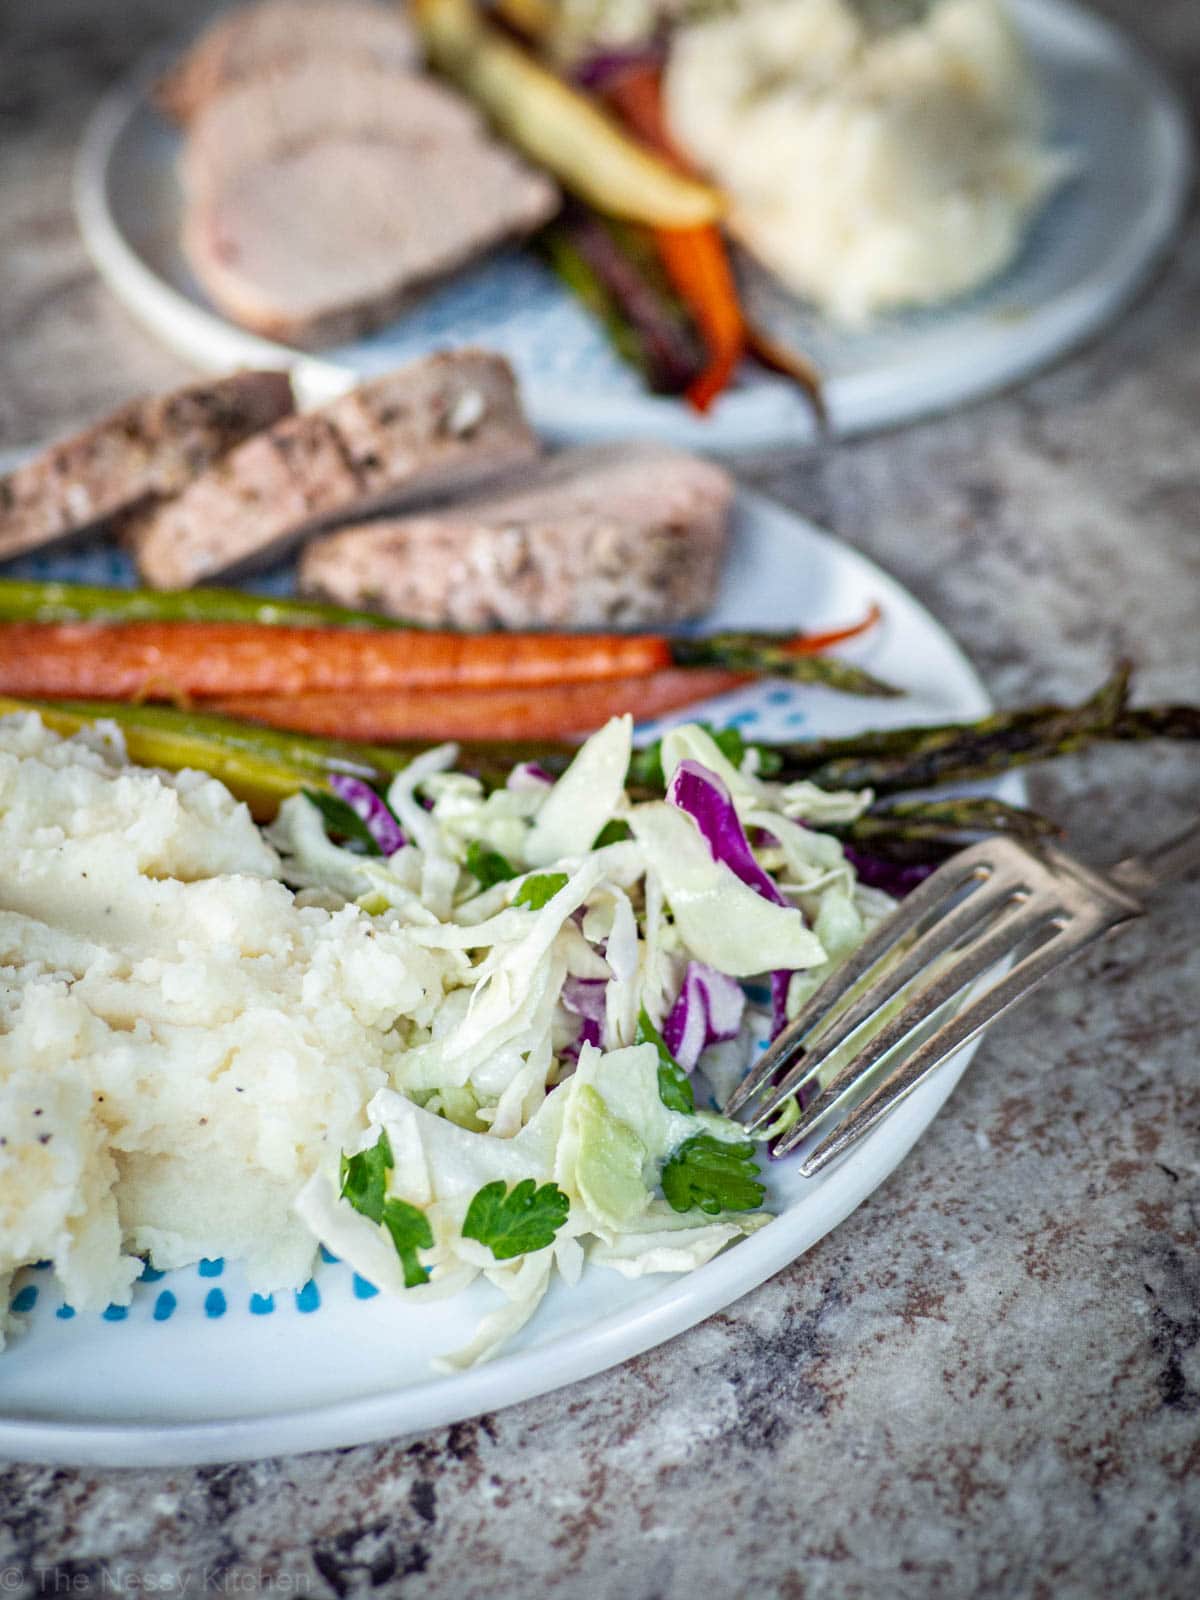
{"points": [[1087, 254]]}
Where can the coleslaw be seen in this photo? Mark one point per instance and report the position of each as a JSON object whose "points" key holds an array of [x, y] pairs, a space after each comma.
{"points": [[597, 959]]}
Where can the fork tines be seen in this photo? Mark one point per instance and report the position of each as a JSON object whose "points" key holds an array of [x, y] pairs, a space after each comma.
{"points": [[996, 902]]}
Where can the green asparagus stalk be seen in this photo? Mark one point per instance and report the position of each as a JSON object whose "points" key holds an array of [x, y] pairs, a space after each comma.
{"points": [[893, 760], [923, 758], [616, 273], [767, 654], [25, 600], [1172, 721], [924, 830], [259, 765], [585, 284]]}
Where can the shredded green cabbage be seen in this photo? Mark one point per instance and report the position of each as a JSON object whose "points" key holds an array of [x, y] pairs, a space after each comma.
{"points": [[510, 1083]]}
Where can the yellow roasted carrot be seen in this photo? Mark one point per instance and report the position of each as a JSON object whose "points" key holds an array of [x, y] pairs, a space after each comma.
{"points": [[557, 126]]}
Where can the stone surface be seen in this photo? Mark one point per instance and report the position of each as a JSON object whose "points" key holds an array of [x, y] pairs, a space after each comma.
{"points": [[987, 1381]]}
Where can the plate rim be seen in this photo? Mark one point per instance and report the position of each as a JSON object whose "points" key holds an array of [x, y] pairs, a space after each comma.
{"points": [[603, 1343], [768, 416]]}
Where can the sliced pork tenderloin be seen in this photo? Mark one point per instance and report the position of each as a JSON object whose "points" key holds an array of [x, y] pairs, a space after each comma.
{"points": [[318, 200], [256, 40], [440, 425], [626, 535], [148, 449]]}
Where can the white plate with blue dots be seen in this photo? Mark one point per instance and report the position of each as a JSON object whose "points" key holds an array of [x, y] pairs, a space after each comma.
{"points": [[201, 1367], [1085, 256]]}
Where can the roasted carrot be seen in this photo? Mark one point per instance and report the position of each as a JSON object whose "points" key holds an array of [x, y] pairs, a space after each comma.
{"points": [[517, 713], [698, 266], [811, 644], [197, 661], [125, 661], [635, 94], [793, 364], [555, 125], [695, 259]]}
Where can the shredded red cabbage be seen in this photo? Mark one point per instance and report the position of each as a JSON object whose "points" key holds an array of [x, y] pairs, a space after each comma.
{"points": [[703, 795], [527, 775], [372, 809], [708, 1011], [706, 799], [589, 1033], [584, 997], [893, 877], [781, 982], [598, 70]]}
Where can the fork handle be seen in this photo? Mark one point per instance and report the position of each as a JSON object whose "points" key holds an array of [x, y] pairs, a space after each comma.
{"points": [[1155, 867]]}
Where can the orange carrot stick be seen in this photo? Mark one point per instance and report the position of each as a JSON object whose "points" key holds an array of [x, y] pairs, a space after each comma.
{"points": [[698, 267], [635, 94], [520, 713], [811, 644], [695, 259], [179, 660]]}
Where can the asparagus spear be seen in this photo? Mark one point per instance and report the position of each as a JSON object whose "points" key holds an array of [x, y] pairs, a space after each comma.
{"points": [[893, 760], [922, 758], [771, 654], [585, 283], [259, 765], [26, 600], [618, 279], [263, 766], [925, 830]]}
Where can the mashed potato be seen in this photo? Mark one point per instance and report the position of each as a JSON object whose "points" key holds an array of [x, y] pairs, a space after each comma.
{"points": [[875, 156], [181, 1039]]}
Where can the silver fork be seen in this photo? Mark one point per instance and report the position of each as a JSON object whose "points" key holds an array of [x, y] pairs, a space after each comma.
{"points": [[997, 902]]}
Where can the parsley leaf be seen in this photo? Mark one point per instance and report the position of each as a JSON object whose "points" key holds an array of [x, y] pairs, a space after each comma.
{"points": [[536, 891], [343, 820], [488, 866], [614, 831], [770, 760], [364, 1186], [364, 1178], [674, 1085], [410, 1231], [710, 1174], [646, 768], [510, 1224]]}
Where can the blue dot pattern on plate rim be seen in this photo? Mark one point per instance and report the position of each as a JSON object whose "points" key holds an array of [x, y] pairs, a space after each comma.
{"points": [[154, 1302], [308, 1299]]}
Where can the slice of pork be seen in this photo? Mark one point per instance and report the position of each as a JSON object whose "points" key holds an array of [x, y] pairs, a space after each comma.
{"points": [[437, 426], [318, 200], [146, 450], [626, 535], [254, 40]]}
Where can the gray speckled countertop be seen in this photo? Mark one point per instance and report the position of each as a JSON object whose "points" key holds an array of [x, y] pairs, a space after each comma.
{"points": [[987, 1381]]}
